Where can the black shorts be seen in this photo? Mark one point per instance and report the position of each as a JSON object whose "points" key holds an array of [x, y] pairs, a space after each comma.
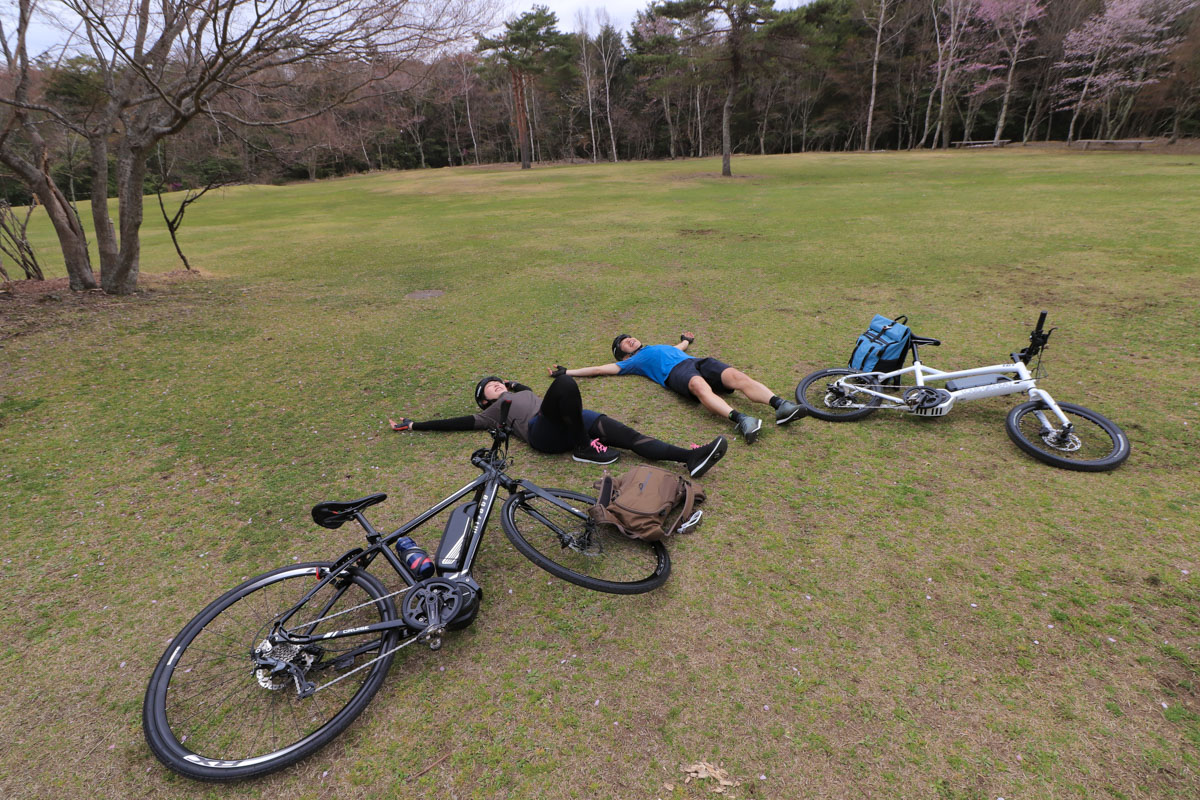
{"points": [[708, 368]]}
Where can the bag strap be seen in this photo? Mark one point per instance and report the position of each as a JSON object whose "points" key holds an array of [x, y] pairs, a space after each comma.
{"points": [[686, 519]]}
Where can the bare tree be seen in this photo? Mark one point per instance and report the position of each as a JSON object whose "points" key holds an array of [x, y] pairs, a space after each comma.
{"points": [[14, 242], [161, 64], [586, 71], [608, 47], [741, 20], [878, 16]]}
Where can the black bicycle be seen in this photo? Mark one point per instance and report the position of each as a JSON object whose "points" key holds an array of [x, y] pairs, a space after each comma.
{"points": [[274, 669]]}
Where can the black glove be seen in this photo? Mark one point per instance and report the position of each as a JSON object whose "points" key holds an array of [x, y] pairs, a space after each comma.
{"points": [[404, 424], [558, 371], [685, 338]]}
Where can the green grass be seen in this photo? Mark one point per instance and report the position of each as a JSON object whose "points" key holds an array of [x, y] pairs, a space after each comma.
{"points": [[892, 608]]}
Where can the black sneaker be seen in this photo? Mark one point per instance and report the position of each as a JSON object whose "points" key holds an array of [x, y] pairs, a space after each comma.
{"points": [[702, 459], [788, 412], [748, 427], [595, 453]]}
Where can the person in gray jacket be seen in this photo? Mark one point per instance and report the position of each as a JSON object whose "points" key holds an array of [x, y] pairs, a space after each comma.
{"points": [[559, 423]]}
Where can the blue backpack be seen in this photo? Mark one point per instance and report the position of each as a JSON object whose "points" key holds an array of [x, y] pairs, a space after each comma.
{"points": [[883, 347]]}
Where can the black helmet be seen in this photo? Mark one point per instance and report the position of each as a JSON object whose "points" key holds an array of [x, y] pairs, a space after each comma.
{"points": [[484, 381], [617, 354]]}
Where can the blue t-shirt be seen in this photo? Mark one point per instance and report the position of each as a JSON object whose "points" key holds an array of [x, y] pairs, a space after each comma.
{"points": [[654, 362]]}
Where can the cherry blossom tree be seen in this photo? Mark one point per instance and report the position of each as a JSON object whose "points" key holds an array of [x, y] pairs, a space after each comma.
{"points": [[1011, 24], [1115, 54]]}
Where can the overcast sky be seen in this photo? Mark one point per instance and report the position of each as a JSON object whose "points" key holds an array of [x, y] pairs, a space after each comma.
{"points": [[621, 12]]}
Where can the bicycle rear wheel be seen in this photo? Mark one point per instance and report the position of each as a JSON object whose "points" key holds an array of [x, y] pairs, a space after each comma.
{"points": [[1094, 444], [210, 715], [817, 393], [569, 545]]}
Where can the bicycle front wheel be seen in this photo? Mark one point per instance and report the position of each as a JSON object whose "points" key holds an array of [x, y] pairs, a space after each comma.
{"points": [[825, 399], [1094, 443], [210, 714], [569, 545]]}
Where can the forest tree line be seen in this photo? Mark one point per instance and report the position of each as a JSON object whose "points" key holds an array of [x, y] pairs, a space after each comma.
{"points": [[689, 78], [832, 75]]}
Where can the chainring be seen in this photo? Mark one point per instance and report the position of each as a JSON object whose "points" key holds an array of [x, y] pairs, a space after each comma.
{"points": [[433, 602]]}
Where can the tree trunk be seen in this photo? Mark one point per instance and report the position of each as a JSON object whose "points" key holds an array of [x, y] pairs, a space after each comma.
{"points": [[470, 123], [666, 101], [1012, 68], [874, 74], [726, 145], [587, 85], [173, 226], [72, 239], [1082, 97], [519, 113], [929, 107], [131, 174], [106, 237]]}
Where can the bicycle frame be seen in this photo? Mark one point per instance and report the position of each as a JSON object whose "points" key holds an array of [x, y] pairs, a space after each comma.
{"points": [[485, 488], [1023, 381]]}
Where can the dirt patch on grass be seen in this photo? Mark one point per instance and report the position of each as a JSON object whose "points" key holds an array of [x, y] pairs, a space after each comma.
{"points": [[27, 306]]}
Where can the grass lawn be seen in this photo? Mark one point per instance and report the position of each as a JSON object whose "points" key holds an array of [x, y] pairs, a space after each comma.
{"points": [[892, 608]]}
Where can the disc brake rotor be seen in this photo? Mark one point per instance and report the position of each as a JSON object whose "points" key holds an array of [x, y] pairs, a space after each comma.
{"points": [[1060, 440]]}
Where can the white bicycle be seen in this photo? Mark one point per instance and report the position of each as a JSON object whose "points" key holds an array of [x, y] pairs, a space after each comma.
{"points": [[1060, 434]]}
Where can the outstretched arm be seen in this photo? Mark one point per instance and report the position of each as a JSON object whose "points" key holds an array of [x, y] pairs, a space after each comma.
{"points": [[684, 340], [467, 423], [584, 372]]}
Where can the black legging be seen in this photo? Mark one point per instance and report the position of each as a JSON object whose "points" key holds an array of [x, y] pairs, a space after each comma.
{"points": [[561, 418], [563, 408], [617, 434]]}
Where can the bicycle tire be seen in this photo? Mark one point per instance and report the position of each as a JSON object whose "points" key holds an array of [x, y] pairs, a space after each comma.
{"points": [[209, 665], [580, 550], [1097, 447], [821, 408]]}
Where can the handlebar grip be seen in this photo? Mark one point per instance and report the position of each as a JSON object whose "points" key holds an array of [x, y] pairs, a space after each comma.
{"points": [[1041, 321], [504, 406]]}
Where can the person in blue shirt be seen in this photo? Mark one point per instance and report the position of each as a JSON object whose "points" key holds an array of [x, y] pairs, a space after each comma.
{"points": [[702, 379]]}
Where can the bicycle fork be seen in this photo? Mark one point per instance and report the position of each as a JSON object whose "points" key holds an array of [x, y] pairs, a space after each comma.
{"points": [[1047, 429]]}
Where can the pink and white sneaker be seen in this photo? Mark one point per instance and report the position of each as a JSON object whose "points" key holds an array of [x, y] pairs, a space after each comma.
{"points": [[595, 453]]}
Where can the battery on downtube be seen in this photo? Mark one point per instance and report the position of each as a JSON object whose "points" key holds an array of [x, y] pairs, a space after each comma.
{"points": [[452, 549]]}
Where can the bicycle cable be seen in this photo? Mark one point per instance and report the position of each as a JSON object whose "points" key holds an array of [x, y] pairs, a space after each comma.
{"points": [[352, 608], [398, 647]]}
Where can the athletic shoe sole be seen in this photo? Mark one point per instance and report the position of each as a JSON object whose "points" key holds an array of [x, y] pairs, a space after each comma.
{"points": [[601, 461], [799, 413], [751, 435], [712, 458]]}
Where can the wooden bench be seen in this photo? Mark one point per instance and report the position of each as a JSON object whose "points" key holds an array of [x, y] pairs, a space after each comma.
{"points": [[1135, 144], [982, 143]]}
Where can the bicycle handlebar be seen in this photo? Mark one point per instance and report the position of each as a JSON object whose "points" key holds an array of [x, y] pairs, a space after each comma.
{"points": [[1037, 341], [499, 433]]}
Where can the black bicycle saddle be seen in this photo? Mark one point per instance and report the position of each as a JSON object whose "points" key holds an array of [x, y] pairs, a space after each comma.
{"points": [[335, 515]]}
